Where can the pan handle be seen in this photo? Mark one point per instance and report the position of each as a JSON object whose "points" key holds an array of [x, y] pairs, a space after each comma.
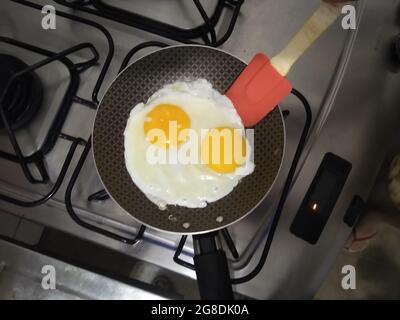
{"points": [[212, 269]]}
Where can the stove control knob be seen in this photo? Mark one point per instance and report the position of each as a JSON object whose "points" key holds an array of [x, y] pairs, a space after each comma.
{"points": [[394, 54], [396, 48]]}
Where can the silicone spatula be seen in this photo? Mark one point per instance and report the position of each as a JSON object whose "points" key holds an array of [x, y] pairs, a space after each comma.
{"points": [[262, 84]]}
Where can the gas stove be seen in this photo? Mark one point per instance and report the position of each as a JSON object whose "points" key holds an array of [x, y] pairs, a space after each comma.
{"points": [[48, 174]]}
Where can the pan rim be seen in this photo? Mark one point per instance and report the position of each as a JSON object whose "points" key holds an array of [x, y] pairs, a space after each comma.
{"points": [[222, 226]]}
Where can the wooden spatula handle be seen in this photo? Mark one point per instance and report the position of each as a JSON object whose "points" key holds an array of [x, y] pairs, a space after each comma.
{"points": [[315, 26]]}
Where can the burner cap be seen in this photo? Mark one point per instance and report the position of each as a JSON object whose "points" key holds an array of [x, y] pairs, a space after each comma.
{"points": [[24, 97]]}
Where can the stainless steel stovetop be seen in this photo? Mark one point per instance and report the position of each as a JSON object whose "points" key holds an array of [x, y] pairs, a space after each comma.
{"points": [[353, 95]]}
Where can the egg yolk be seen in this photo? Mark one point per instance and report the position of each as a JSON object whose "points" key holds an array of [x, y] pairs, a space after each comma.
{"points": [[169, 120], [223, 150]]}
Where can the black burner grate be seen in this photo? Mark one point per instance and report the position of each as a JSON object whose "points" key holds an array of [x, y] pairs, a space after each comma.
{"points": [[206, 31]]}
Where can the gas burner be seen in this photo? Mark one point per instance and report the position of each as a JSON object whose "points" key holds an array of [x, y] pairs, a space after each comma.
{"points": [[24, 97]]}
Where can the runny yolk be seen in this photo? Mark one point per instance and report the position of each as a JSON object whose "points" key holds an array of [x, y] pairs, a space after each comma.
{"points": [[223, 150], [168, 120]]}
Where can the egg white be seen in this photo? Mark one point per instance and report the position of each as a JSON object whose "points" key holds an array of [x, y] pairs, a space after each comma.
{"points": [[192, 185]]}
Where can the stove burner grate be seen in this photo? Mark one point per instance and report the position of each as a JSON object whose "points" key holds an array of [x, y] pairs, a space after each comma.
{"points": [[205, 33]]}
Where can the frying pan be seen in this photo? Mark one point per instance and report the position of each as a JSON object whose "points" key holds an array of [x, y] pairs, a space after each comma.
{"points": [[136, 84]]}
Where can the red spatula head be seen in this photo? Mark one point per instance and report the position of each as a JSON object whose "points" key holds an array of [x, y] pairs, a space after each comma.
{"points": [[258, 90]]}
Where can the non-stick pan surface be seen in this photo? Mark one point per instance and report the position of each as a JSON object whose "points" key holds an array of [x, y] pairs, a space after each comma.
{"points": [[136, 84]]}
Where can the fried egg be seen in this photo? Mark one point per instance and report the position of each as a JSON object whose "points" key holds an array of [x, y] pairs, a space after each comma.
{"points": [[181, 114]]}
